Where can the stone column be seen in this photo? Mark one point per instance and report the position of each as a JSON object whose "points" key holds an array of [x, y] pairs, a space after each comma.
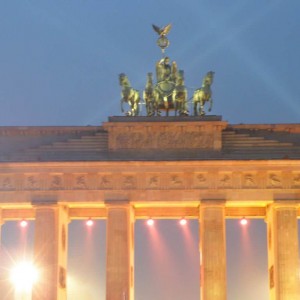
{"points": [[119, 251], [1, 222], [50, 252], [3, 283], [212, 250], [283, 251]]}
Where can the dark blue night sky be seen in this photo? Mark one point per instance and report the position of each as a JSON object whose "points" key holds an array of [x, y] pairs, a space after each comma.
{"points": [[59, 65]]}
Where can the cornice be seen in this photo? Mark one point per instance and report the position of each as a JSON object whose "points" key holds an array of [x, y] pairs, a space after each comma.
{"points": [[46, 130]]}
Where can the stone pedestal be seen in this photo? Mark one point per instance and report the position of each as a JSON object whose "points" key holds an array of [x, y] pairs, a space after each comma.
{"points": [[212, 251], [119, 251], [50, 252], [283, 252]]}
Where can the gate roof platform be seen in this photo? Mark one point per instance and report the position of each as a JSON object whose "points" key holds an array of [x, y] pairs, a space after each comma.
{"points": [[93, 143]]}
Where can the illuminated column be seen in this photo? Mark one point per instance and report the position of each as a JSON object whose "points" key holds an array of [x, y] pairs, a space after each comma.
{"points": [[2, 282], [212, 250], [119, 251], [1, 223], [283, 255], [50, 251]]}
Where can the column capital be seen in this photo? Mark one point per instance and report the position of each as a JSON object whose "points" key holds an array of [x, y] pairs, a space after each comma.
{"points": [[278, 204], [212, 203], [111, 196], [1, 219], [117, 203], [44, 199]]}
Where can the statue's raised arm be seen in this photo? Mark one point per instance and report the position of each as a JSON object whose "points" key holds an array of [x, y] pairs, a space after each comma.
{"points": [[165, 70]]}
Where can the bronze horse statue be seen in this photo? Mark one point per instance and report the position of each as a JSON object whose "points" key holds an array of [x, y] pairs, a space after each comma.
{"points": [[180, 95], [203, 95], [130, 96], [149, 96]]}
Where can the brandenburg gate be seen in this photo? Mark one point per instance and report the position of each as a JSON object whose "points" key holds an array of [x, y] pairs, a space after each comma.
{"points": [[135, 167], [138, 167]]}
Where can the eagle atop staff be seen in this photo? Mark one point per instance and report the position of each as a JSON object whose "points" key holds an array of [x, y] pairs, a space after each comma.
{"points": [[163, 31], [162, 41]]}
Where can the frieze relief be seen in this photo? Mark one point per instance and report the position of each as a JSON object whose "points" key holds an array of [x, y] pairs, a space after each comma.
{"points": [[249, 180], [56, 182], [274, 180], [164, 140], [7, 182], [129, 182], [105, 181], [200, 180], [225, 180], [153, 181], [149, 180], [80, 182], [32, 182], [176, 181], [296, 180]]}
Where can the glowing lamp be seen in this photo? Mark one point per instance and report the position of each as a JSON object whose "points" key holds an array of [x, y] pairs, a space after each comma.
{"points": [[23, 276], [183, 222], [150, 222], [89, 222], [23, 223], [244, 221]]}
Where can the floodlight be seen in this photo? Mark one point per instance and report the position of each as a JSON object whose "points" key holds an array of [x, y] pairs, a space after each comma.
{"points": [[23, 223], [183, 222], [244, 221], [89, 222], [150, 222]]}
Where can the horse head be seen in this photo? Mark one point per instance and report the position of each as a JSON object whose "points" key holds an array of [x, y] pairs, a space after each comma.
{"points": [[123, 80], [208, 79]]}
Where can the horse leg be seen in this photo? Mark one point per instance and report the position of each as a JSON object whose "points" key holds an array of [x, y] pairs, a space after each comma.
{"points": [[195, 108], [202, 112]]}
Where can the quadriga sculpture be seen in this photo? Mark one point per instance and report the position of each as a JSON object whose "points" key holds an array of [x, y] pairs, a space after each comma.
{"points": [[180, 96], [169, 92], [149, 97], [130, 96], [203, 95]]}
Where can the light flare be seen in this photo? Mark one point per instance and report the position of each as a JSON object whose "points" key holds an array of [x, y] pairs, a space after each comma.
{"points": [[23, 276]]}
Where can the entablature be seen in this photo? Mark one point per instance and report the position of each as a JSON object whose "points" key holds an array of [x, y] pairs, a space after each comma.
{"points": [[141, 179]]}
